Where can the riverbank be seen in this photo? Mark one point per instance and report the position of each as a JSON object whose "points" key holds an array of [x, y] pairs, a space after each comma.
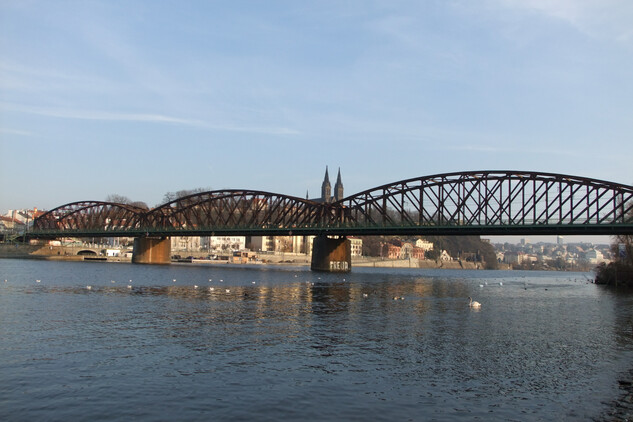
{"points": [[87, 253]]}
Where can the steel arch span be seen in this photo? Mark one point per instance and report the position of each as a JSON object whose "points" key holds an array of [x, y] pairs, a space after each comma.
{"points": [[231, 212], [225, 212], [106, 217], [460, 203], [492, 202]]}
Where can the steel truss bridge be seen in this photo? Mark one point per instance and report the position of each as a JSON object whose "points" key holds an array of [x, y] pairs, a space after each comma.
{"points": [[461, 203]]}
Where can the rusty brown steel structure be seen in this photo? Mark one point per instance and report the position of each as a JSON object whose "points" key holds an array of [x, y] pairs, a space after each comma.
{"points": [[226, 212], [231, 211], [477, 202], [493, 202], [89, 215]]}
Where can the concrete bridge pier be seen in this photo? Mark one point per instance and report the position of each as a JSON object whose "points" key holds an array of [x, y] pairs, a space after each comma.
{"points": [[331, 254], [152, 250]]}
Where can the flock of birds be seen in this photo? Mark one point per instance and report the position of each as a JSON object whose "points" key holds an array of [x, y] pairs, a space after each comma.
{"points": [[471, 303]]}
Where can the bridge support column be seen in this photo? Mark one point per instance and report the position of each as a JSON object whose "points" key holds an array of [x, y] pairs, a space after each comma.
{"points": [[152, 250], [331, 254]]}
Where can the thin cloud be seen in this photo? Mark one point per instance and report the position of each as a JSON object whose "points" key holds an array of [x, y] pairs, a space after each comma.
{"points": [[141, 118], [15, 132], [603, 18]]}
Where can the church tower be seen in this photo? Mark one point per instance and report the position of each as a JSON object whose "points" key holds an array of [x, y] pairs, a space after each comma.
{"points": [[338, 187], [326, 188]]}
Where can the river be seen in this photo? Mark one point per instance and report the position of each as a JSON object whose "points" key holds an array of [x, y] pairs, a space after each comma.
{"points": [[105, 341]]}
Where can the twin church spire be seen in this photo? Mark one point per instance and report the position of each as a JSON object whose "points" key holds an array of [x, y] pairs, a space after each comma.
{"points": [[326, 188]]}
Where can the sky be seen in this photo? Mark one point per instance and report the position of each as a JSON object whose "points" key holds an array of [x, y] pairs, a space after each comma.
{"points": [[140, 98]]}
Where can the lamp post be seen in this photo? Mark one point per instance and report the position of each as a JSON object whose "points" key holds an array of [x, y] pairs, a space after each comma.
{"points": [[26, 227]]}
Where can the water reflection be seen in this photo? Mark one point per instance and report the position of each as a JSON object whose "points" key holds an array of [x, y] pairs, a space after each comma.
{"points": [[543, 346]]}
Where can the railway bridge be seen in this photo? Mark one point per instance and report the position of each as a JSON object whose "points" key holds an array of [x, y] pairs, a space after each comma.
{"points": [[491, 202]]}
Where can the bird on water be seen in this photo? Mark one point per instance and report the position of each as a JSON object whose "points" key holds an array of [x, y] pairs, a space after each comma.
{"points": [[473, 304]]}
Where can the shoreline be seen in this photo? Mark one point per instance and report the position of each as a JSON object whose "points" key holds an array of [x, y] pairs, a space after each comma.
{"points": [[71, 253], [74, 253], [621, 408]]}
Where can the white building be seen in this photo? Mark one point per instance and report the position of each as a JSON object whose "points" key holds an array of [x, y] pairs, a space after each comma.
{"points": [[185, 243], [224, 243], [281, 244], [293, 244], [357, 246], [424, 244], [594, 257], [444, 256]]}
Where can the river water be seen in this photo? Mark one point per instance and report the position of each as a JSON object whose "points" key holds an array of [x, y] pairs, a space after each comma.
{"points": [[283, 343]]}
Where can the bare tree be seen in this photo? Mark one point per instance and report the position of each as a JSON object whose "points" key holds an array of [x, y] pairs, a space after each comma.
{"points": [[139, 204], [172, 196], [118, 199]]}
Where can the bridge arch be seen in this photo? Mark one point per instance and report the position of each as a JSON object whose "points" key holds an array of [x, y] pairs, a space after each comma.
{"points": [[237, 211], [492, 202], [91, 217], [87, 252]]}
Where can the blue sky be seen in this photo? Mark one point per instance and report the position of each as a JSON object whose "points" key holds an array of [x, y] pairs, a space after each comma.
{"points": [[140, 98]]}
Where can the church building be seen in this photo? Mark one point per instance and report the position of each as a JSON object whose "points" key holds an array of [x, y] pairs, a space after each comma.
{"points": [[326, 189]]}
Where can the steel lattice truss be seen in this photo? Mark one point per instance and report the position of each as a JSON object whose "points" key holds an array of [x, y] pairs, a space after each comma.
{"points": [[230, 211], [209, 213], [494, 202], [484, 202], [89, 215]]}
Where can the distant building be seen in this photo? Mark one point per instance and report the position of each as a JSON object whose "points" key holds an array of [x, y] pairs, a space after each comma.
{"points": [[409, 251], [223, 243], [326, 189], [444, 256], [10, 223], [594, 257], [185, 243], [391, 251], [357, 246], [514, 257], [282, 244], [424, 245]]}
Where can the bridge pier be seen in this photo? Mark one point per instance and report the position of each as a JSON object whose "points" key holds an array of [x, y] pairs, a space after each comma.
{"points": [[152, 250], [331, 254]]}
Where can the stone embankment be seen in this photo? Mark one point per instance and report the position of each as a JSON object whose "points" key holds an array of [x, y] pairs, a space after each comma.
{"points": [[62, 253], [414, 263]]}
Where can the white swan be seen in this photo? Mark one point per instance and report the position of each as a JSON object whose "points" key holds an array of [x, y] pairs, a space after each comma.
{"points": [[473, 304]]}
